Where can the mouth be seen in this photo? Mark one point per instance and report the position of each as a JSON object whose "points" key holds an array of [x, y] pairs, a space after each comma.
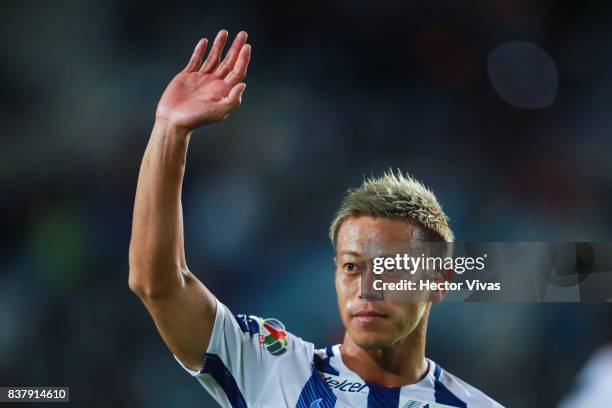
{"points": [[368, 317]]}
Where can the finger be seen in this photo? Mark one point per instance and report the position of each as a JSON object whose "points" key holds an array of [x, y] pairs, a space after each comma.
{"points": [[215, 52], [231, 56], [196, 57], [240, 68]]}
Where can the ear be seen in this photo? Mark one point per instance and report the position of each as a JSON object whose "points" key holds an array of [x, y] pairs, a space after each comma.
{"points": [[444, 275]]}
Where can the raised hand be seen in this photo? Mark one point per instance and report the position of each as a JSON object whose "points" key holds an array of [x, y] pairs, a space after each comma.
{"points": [[207, 92]]}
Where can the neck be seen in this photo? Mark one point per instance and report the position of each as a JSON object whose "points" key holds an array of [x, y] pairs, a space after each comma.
{"points": [[399, 364]]}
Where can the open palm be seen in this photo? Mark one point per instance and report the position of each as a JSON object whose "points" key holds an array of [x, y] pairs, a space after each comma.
{"points": [[207, 92]]}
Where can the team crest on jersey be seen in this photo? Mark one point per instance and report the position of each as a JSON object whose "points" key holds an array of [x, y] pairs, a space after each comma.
{"points": [[272, 336]]}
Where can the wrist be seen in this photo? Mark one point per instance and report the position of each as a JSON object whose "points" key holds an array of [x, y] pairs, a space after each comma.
{"points": [[170, 128], [169, 142]]}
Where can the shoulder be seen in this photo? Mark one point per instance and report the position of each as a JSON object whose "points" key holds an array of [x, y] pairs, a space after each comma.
{"points": [[450, 387], [272, 335]]}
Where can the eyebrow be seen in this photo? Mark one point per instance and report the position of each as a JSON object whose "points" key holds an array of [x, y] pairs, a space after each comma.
{"points": [[349, 253]]}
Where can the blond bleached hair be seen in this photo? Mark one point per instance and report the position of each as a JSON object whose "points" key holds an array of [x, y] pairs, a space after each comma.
{"points": [[394, 195]]}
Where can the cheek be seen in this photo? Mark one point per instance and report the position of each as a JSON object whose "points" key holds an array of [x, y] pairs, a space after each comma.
{"points": [[411, 314], [341, 295], [347, 290], [341, 290]]}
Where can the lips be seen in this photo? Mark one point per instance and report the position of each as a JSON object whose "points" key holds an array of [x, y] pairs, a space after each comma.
{"points": [[368, 317], [368, 314]]}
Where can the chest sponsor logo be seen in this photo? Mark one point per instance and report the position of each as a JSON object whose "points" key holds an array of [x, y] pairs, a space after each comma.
{"points": [[350, 385], [358, 386]]}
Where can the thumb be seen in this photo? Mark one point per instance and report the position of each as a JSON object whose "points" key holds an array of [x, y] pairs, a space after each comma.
{"points": [[230, 102], [235, 94]]}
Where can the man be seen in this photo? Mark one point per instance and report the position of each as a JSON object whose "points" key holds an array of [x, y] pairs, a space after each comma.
{"points": [[246, 361]]}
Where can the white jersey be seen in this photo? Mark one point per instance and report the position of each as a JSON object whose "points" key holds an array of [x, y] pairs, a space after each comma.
{"points": [[254, 362], [594, 388]]}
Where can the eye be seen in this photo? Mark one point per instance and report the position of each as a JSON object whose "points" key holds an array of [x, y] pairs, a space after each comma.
{"points": [[350, 267]]}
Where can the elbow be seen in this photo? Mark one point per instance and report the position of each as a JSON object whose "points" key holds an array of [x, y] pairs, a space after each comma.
{"points": [[139, 286], [146, 290], [153, 279], [136, 281], [136, 285], [149, 289], [140, 277]]}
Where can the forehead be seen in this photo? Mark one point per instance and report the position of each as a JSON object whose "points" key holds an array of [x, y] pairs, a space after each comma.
{"points": [[356, 231]]}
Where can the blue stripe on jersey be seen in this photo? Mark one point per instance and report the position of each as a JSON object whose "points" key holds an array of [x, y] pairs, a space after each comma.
{"points": [[383, 397], [247, 324], [322, 364], [329, 351], [316, 394], [443, 394], [214, 366]]}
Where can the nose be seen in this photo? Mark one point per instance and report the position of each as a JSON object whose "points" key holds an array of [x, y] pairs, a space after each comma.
{"points": [[367, 291]]}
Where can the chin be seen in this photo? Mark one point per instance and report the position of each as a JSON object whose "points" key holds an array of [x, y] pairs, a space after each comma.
{"points": [[372, 340]]}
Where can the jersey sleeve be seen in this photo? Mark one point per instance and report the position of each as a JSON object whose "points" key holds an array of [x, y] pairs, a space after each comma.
{"points": [[242, 355]]}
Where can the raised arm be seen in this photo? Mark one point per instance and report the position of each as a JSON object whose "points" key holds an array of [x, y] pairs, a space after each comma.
{"points": [[181, 306]]}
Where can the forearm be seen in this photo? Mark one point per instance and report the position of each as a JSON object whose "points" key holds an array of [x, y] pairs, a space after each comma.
{"points": [[157, 255]]}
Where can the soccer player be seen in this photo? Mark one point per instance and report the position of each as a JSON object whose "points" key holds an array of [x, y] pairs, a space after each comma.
{"points": [[247, 361]]}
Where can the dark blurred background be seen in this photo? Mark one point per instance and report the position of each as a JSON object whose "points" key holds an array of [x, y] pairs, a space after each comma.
{"points": [[502, 107]]}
